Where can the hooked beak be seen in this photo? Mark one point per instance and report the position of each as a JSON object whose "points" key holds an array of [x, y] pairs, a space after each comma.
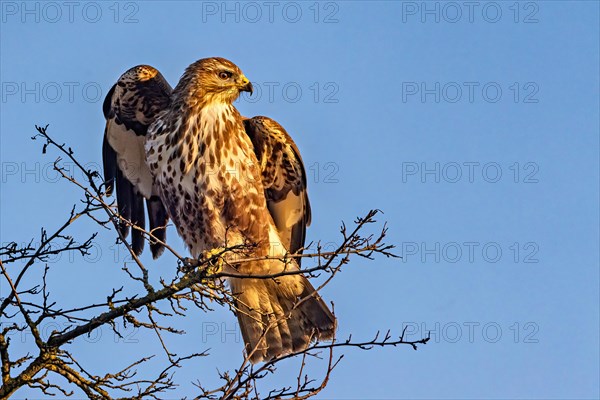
{"points": [[245, 85]]}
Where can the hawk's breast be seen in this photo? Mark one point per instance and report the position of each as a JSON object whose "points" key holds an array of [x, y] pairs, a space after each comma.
{"points": [[208, 176]]}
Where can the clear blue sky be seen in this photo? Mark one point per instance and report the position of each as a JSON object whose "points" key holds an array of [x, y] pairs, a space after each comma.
{"points": [[474, 129]]}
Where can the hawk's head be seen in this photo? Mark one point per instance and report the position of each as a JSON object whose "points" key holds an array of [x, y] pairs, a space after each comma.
{"points": [[216, 79]]}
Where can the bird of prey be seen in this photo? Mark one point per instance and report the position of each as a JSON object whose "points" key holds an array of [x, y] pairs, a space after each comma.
{"points": [[225, 180]]}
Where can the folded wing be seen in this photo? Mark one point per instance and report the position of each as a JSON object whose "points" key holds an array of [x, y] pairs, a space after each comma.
{"points": [[284, 179], [130, 107]]}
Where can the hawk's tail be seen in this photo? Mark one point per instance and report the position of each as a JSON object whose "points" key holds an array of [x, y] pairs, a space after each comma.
{"points": [[280, 316]]}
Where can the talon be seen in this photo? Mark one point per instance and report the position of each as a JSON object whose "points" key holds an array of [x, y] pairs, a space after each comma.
{"points": [[215, 265], [212, 267]]}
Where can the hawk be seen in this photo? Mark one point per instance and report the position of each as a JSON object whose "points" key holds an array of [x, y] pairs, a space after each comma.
{"points": [[224, 180]]}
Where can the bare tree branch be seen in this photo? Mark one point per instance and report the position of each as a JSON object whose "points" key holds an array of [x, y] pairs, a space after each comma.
{"points": [[157, 307]]}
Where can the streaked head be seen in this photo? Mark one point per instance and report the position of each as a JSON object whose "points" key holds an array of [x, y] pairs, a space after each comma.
{"points": [[216, 79]]}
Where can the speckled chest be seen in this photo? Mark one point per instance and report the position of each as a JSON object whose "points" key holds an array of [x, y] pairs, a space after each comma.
{"points": [[208, 177]]}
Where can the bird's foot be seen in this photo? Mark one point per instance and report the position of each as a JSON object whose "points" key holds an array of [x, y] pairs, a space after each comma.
{"points": [[214, 261], [212, 265]]}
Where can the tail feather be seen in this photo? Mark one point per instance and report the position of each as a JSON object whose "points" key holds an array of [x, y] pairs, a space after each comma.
{"points": [[294, 323], [250, 319], [316, 312], [280, 316]]}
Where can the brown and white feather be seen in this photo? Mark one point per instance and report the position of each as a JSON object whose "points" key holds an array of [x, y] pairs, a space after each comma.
{"points": [[209, 177], [284, 180], [130, 107]]}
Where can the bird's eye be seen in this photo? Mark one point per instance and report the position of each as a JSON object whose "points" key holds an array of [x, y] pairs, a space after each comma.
{"points": [[224, 75]]}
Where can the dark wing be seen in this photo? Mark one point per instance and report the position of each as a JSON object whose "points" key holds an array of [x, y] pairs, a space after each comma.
{"points": [[284, 179], [130, 107]]}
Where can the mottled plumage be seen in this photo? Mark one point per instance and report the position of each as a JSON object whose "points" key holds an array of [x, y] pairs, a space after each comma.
{"points": [[227, 180], [130, 107], [283, 178]]}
